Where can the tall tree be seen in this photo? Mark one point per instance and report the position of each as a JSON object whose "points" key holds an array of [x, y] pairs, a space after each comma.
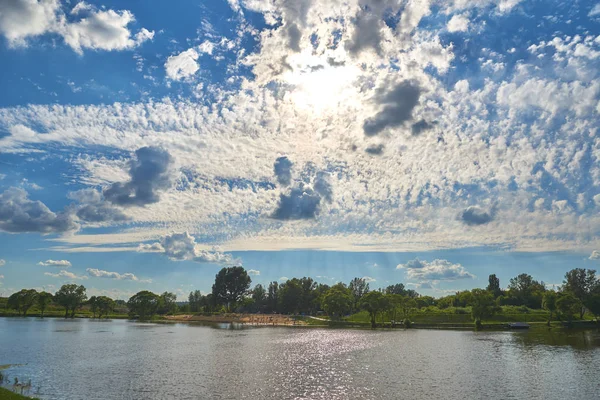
{"points": [[231, 285], [144, 304], [593, 302], [358, 287], [580, 282], [259, 297], [93, 303], [568, 305], [290, 296], [494, 286], [374, 303], [71, 297], [105, 305], [337, 301], [549, 303], [273, 297], [22, 301], [398, 288], [482, 305], [168, 303], [42, 300], [527, 290]]}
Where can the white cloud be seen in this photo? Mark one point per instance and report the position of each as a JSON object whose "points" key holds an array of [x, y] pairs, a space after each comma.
{"points": [[595, 255], [2, 262], [1, 276], [183, 65], [183, 247], [55, 263], [98, 273], [96, 29], [594, 11], [369, 279], [66, 274], [253, 272], [23, 19], [458, 23], [436, 270], [283, 279]]}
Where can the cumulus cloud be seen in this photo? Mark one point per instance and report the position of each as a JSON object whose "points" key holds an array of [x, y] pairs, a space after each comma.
{"points": [[436, 270], [594, 11], [421, 126], [253, 272], [458, 23], [55, 263], [369, 279], [66, 274], [398, 104], [19, 214], [22, 19], [595, 255], [97, 29], [183, 247], [2, 262], [150, 174], [476, 216], [94, 209], [300, 203], [183, 65], [283, 170], [98, 273]]}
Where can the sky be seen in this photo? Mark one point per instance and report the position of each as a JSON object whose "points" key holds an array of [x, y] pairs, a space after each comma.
{"points": [[144, 145]]}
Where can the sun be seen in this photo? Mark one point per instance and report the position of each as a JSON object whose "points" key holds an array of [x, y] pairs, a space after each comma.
{"points": [[319, 84]]}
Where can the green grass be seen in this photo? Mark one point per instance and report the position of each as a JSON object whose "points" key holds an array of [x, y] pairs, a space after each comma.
{"points": [[6, 394]]}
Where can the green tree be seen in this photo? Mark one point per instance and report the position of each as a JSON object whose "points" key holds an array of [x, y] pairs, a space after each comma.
{"points": [[568, 305], [273, 297], [549, 303], [580, 282], [374, 303], [494, 286], [398, 288], [593, 302], [93, 303], [144, 304], [22, 301], [358, 287], [231, 285], [167, 304], [337, 301], [105, 305], [259, 298], [289, 296], [42, 300], [482, 305], [71, 297], [195, 301], [407, 305], [527, 291]]}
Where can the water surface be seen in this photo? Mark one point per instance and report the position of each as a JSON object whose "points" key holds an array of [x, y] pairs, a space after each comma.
{"points": [[87, 359]]}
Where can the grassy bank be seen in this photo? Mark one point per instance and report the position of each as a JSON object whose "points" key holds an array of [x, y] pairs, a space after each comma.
{"points": [[6, 394]]}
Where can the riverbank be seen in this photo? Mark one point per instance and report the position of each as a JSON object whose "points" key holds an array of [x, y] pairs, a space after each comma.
{"points": [[6, 394], [248, 319]]}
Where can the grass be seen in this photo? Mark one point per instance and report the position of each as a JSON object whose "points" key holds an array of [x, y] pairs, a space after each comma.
{"points": [[6, 394]]}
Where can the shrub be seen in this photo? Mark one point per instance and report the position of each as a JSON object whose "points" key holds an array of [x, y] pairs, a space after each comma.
{"points": [[407, 323]]}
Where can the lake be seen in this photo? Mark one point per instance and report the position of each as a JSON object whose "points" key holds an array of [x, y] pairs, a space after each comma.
{"points": [[88, 359]]}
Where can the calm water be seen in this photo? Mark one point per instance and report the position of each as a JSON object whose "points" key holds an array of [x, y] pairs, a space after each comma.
{"points": [[85, 359]]}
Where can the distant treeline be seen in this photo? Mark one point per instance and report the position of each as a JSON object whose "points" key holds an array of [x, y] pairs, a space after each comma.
{"points": [[232, 292]]}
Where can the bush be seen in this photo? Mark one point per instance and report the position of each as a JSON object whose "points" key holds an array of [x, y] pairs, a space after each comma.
{"points": [[407, 323]]}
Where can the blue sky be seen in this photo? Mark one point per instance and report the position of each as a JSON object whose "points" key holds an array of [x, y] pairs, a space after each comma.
{"points": [[146, 145]]}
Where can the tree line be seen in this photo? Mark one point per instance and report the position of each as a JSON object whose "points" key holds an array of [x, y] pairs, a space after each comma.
{"points": [[232, 292]]}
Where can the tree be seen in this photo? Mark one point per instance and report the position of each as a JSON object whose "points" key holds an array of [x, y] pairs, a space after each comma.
{"points": [[289, 296], [273, 297], [494, 286], [482, 305], [168, 303], [22, 300], [593, 302], [144, 304], [580, 282], [71, 297], [549, 303], [195, 301], [407, 305], [526, 291], [42, 300], [337, 301], [105, 305], [568, 305], [396, 289], [259, 297], [231, 285], [358, 287], [93, 303], [373, 303]]}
